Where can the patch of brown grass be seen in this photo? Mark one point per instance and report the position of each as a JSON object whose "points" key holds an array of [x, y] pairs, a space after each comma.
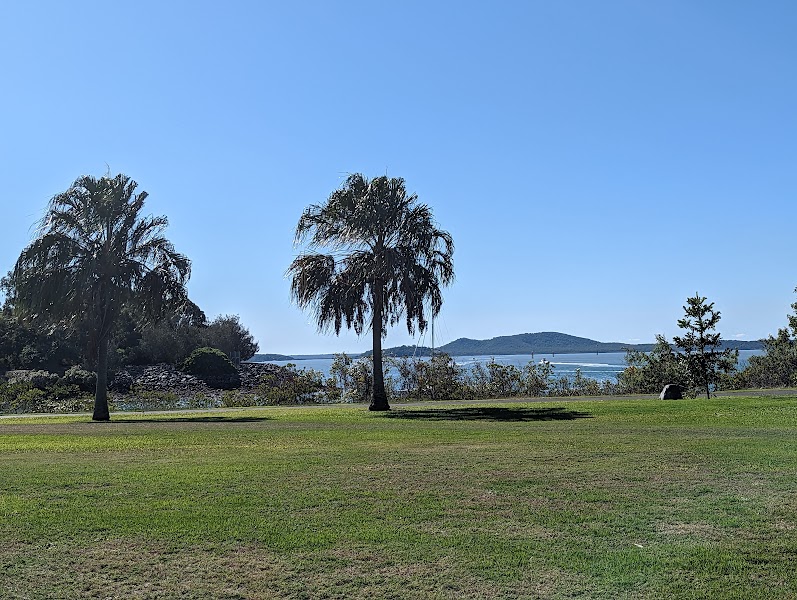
{"points": [[704, 531], [145, 570]]}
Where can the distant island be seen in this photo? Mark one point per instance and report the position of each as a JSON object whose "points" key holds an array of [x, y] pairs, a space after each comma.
{"points": [[285, 357], [270, 357], [545, 342]]}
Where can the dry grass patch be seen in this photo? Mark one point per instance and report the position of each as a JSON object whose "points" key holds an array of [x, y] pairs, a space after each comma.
{"points": [[703, 531], [144, 570]]}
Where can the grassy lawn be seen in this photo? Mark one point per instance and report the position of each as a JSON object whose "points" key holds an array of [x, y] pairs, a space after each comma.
{"points": [[610, 499]]}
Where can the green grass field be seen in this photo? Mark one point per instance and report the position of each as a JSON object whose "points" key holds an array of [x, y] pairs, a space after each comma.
{"points": [[589, 499]]}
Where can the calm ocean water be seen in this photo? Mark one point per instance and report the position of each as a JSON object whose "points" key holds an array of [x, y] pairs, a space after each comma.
{"points": [[595, 366]]}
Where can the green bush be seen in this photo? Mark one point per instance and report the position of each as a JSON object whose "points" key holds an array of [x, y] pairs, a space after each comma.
{"points": [[234, 398], [85, 380], [22, 396], [204, 362], [291, 386], [38, 379], [649, 372], [11, 392]]}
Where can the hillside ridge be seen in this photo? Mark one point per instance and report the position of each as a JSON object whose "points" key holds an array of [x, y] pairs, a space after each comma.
{"points": [[543, 342]]}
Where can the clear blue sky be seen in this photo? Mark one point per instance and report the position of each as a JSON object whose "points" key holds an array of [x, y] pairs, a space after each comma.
{"points": [[595, 162]]}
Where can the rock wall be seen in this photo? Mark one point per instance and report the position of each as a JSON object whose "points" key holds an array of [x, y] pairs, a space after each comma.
{"points": [[166, 378]]}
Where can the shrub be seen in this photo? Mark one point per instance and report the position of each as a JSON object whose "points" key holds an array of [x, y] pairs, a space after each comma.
{"points": [[777, 367], [442, 378], [204, 362], [37, 379], [477, 381], [29, 399], [85, 380], [291, 386], [62, 391], [649, 372], [536, 378], [235, 399], [23, 346], [10, 394], [505, 380], [22, 396], [439, 378]]}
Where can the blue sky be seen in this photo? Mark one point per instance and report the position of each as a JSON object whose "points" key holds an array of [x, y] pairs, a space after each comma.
{"points": [[595, 162]]}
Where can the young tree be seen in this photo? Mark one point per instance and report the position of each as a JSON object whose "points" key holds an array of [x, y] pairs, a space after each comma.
{"points": [[536, 377], [93, 253], [777, 367], [385, 258], [702, 356]]}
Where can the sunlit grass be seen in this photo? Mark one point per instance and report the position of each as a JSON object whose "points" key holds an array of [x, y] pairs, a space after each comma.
{"points": [[603, 499]]}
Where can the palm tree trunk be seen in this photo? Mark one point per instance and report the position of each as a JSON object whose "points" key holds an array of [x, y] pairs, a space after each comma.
{"points": [[101, 412], [379, 398]]}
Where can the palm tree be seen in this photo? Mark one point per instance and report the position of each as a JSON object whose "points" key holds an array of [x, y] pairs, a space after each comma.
{"points": [[385, 259], [94, 252]]}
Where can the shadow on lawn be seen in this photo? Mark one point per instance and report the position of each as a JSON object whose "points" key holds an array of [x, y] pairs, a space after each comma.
{"points": [[492, 413], [197, 419]]}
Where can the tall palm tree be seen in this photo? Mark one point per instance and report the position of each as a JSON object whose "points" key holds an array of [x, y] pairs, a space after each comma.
{"points": [[93, 252], [385, 258]]}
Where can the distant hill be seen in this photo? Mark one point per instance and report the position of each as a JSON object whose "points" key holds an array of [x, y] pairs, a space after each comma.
{"points": [[546, 342], [399, 351], [273, 357], [269, 357]]}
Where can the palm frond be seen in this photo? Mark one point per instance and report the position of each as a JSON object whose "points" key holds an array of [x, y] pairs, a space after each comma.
{"points": [[94, 250], [379, 243]]}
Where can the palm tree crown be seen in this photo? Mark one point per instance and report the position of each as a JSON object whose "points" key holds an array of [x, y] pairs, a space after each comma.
{"points": [[94, 252], [386, 258]]}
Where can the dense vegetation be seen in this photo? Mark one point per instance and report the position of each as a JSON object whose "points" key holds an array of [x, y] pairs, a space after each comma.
{"points": [[351, 380], [100, 288], [54, 348], [777, 367], [441, 378]]}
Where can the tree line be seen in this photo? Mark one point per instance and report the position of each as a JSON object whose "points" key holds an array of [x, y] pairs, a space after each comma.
{"points": [[25, 345], [695, 361], [99, 268], [101, 286]]}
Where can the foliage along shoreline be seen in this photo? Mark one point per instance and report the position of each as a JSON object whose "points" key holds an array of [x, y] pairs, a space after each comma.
{"points": [[101, 288]]}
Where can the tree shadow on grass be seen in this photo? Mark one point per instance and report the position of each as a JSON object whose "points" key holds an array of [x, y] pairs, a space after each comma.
{"points": [[197, 419], [491, 413]]}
